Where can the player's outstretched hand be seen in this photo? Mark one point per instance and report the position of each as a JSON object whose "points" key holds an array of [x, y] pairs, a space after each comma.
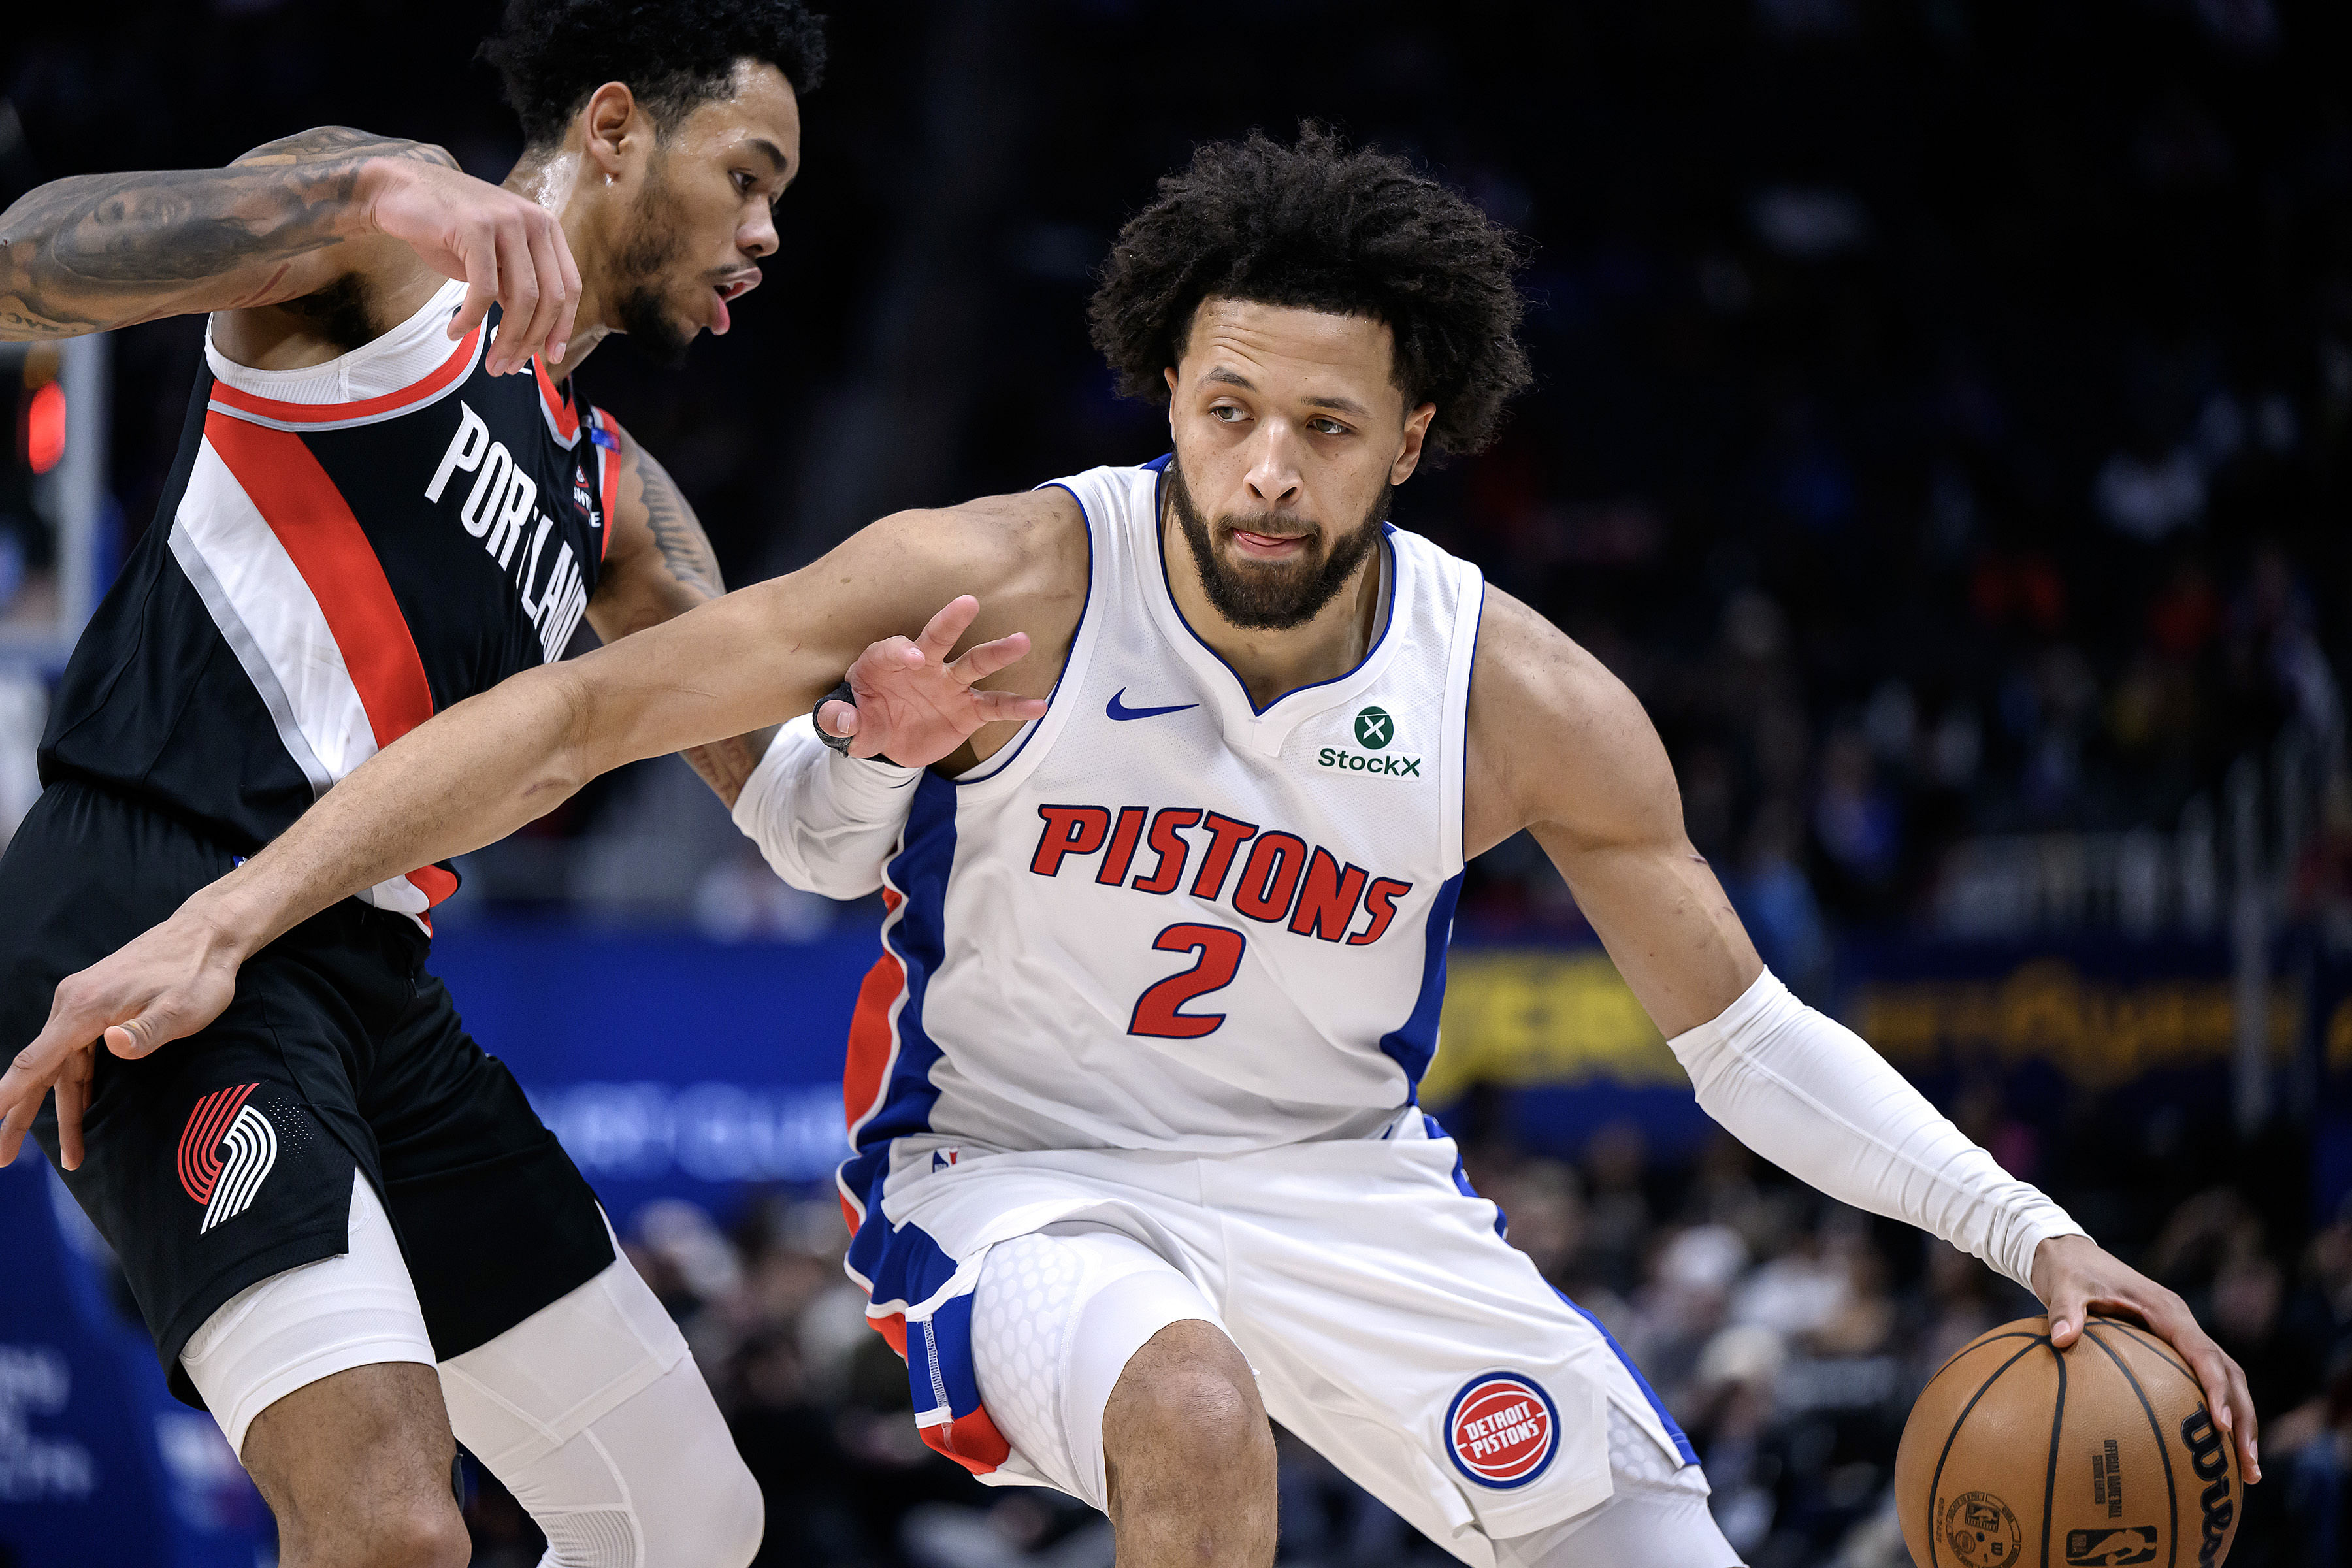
{"points": [[913, 706], [509, 250], [2075, 1277], [168, 983]]}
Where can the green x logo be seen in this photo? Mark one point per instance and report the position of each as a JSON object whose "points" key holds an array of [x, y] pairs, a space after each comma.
{"points": [[1374, 729]]}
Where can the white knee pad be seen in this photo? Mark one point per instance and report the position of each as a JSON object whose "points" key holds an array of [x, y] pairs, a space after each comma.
{"points": [[292, 1329], [593, 1413], [1055, 1320]]}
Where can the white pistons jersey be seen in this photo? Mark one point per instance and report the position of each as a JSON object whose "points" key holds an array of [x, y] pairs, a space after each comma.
{"points": [[1163, 918]]}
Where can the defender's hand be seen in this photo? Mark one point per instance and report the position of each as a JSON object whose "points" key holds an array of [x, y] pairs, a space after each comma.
{"points": [[916, 707], [168, 983], [507, 248], [2076, 1277]]}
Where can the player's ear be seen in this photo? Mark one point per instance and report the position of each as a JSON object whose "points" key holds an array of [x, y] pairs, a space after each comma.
{"points": [[1416, 431], [607, 122]]}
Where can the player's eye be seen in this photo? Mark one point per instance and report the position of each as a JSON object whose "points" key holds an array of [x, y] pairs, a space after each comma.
{"points": [[1327, 426], [744, 182], [1224, 413]]}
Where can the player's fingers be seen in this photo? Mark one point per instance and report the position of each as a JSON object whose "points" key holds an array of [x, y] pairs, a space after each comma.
{"points": [[954, 618], [836, 718], [1006, 705], [15, 1124], [881, 658], [568, 274], [73, 1095], [517, 300], [978, 663], [141, 1035], [547, 281], [2070, 1308], [478, 249]]}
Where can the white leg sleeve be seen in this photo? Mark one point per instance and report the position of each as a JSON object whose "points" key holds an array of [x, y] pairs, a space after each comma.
{"points": [[293, 1329], [1053, 1321], [1656, 1518], [593, 1415], [1806, 1092]]}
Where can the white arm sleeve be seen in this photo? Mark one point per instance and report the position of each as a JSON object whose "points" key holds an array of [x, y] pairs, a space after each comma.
{"points": [[1808, 1094], [828, 823]]}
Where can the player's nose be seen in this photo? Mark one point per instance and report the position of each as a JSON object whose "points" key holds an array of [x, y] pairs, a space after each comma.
{"points": [[756, 237], [1274, 470]]}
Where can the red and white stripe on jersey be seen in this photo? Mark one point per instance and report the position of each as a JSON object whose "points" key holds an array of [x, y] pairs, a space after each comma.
{"points": [[562, 419], [410, 366], [290, 580], [865, 1085]]}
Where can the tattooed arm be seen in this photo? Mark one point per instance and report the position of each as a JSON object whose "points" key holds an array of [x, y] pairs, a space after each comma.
{"points": [[657, 565], [290, 218]]}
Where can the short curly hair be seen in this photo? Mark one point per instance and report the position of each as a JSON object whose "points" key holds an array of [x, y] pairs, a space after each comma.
{"points": [[673, 54], [1319, 227]]}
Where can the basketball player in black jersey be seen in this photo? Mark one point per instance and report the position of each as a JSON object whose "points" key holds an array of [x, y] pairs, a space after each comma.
{"points": [[388, 498]]}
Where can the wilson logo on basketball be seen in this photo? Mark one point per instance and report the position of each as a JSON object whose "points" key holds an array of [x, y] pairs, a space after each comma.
{"points": [[226, 1153], [1502, 1429]]}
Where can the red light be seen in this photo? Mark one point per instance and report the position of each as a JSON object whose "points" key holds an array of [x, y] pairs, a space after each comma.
{"points": [[45, 428]]}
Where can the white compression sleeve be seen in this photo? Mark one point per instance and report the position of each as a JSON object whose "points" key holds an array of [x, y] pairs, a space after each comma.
{"points": [[828, 823], [1808, 1094]]}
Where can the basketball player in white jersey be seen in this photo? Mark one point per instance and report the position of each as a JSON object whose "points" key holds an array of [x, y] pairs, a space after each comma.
{"points": [[1138, 1160]]}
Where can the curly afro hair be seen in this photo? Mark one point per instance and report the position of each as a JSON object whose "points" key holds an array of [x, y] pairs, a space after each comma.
{"points": [[1318, 227], [673, 54]]}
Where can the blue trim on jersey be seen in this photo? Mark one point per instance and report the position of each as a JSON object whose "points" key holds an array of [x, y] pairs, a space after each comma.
{"points": [[1160, 466], [1436, 1134], [1461, 1183], [918, 940], [1413, 1041], [1681, 1444], [1004, 759]]}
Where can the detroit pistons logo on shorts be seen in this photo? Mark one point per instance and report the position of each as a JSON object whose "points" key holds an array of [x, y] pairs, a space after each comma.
{"points": [[1502, 1429], [225, 1153]]}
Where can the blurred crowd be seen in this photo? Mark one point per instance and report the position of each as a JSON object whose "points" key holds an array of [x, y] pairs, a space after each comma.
{"points": [[1788, 1335], [1942, 411]]}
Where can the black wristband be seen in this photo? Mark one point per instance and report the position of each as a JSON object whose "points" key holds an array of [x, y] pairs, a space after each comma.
{"points": [[841, 693]]}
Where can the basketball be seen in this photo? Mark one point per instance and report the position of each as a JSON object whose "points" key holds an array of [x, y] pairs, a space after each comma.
{"points": [[2100, 1457]]}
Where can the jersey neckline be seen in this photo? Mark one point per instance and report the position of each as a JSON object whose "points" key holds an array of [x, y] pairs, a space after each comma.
{"points": [[1262, 728]]}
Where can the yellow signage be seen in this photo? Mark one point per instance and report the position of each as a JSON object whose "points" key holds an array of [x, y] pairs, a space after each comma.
{"points": [[1524, 1018]]}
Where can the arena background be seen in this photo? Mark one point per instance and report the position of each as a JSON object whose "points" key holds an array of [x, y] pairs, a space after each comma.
{"points": [[1943, 421]]}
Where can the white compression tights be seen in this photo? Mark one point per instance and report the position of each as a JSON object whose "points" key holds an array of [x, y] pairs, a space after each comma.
{"points": [[590, 1411], [1657, 1518]]}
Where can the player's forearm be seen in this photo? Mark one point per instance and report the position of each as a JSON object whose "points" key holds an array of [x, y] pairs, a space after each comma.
{"points": [[1810, 1096], [95, 251], [468, 777]]}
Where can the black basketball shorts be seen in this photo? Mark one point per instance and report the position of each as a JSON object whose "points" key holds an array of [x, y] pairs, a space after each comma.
{"points": [[227, 1157]]}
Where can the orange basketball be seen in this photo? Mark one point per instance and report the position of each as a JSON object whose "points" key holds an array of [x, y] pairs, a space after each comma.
{"points": [[2098, 1458]]}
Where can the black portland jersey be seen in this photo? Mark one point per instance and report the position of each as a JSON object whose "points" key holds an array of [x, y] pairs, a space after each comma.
{"points": [[340, 552]]}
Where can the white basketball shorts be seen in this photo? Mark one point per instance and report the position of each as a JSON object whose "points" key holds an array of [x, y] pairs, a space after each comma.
{"points": [[1390, 1325]]}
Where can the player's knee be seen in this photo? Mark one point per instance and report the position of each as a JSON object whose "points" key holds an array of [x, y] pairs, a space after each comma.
{"points": [[426, 1533], [1187, 1405]]}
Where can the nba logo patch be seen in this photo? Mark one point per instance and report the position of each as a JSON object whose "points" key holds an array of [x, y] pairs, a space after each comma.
{"points": [[1502, 1429]]}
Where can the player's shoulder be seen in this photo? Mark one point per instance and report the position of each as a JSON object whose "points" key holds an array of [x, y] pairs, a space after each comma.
{"points": [[1529, 668], [1551, 729]]}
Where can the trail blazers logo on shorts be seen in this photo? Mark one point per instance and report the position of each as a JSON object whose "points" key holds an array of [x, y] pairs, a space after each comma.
{"points": [[225, 1153], [1502, 1429]]}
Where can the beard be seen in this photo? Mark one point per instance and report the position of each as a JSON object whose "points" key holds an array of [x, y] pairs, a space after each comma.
{"points": [[1272, 595], [647, 257]]}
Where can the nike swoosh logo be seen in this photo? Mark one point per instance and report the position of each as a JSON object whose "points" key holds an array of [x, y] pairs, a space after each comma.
{"points": [[1118, 710]]}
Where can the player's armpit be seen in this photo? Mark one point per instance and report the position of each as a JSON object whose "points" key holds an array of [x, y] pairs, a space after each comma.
{"points": [[1560, 747]]}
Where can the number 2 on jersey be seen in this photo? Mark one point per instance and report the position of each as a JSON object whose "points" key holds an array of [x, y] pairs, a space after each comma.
{"points": [[1220, 949]]}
